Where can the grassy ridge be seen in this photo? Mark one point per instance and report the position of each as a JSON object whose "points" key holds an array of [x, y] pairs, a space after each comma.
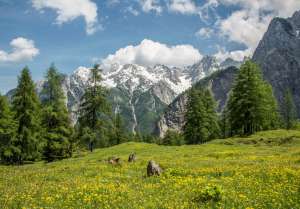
{"points": [[261, 171]]}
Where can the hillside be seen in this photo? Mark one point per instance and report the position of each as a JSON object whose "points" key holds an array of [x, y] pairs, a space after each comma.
{"points": [[261, 171]]}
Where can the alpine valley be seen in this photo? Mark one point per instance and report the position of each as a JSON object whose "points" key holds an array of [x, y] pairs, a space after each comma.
{"points": [[140, 94]]}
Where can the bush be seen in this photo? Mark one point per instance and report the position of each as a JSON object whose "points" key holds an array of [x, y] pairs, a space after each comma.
{"points": [[210, 193], [173, 138]]}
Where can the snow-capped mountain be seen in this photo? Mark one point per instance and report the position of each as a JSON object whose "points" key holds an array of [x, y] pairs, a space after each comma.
{"points": [[139, 93]]}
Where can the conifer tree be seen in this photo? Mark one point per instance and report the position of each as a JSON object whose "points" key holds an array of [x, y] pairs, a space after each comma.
{"points": [[251, 106], [26, 105], [55, 118], [93, 104], [289, 112], [10, 150], [201, 118]]}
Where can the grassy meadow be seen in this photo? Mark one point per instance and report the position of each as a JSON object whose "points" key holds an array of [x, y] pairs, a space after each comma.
{"points": [[261, 171]]}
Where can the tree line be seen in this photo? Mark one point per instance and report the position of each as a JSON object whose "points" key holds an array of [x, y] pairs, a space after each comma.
{"points": [[38, 126], [251, 107]]}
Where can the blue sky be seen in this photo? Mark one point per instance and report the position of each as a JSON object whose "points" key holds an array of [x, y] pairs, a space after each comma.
{"points": [[73, 33]]}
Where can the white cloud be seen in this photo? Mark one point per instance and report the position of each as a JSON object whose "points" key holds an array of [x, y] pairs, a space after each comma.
{"points": [[248, 24], [151, 5], [183, 6], [237, 55], [22, 50], [245, 27], [204, 33], [68, 10], [150, 53], [131, 10]]}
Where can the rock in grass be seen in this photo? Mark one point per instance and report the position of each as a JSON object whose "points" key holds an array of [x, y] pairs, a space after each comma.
{"points": [[132, 157], [114, 160], [153, 169]]}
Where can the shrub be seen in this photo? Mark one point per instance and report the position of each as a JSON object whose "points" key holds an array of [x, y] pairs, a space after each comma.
{"points": [[210, 193]]}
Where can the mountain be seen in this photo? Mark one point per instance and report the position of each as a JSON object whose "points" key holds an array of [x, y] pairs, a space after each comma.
{"points": [[278, 55], [140, 94]]}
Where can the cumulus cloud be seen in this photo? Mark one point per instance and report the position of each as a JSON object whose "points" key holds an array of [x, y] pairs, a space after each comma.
{"points": [[237, 55], [151, 5], [183, 6], [68, 10], [150, 53], [248, 24], [22, 50]]}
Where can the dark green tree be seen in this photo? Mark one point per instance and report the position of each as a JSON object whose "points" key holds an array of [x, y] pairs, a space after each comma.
{"points": [[55, 118], [173, 138], [201, 118], [10, 150], [289, 112], [251, 106], [94, 105], [26, 106]]}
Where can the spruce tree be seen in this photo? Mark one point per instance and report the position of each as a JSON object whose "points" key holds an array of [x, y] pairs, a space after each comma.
{"points": [[289, 112], [55, 118], [93, 105], [251, 106], [201, 118], [26, 105], [10, 150]]}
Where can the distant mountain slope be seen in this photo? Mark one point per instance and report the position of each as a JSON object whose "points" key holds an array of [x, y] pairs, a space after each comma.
{"points": [[278, 54]]}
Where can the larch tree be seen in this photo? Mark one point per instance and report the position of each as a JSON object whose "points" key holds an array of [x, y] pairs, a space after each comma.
{"points": [[251, 106], [289, 112], [93, 106], [26, 106], [10, 150], [201, 118], [55, 118]]}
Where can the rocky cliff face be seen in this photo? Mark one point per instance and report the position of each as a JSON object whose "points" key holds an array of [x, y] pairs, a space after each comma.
{"points": [[278, 54]]}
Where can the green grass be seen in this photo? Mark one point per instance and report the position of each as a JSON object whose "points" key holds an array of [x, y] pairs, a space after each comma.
{"points": [[260, 171]]}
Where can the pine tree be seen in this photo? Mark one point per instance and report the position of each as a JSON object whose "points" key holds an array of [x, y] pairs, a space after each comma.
{"points": [[93, 104], [251, 106], [26, 106], [201, 118], [289, 112], [10, 150], [55, 118]]}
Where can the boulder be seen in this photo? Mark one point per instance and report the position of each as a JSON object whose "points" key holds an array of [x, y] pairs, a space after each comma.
{"points": [[153, 169], [132, 157]]}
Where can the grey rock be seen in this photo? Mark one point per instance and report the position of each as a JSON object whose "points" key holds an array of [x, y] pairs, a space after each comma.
{"points": [[153, 169]]}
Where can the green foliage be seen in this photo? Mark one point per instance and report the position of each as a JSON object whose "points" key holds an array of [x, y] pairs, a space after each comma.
{"points": [[201, 118], [210, 193], [55, 118], [10, 151], [173, 138], [289, 112], [26, 105], [93, 105], [252, 106]]}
